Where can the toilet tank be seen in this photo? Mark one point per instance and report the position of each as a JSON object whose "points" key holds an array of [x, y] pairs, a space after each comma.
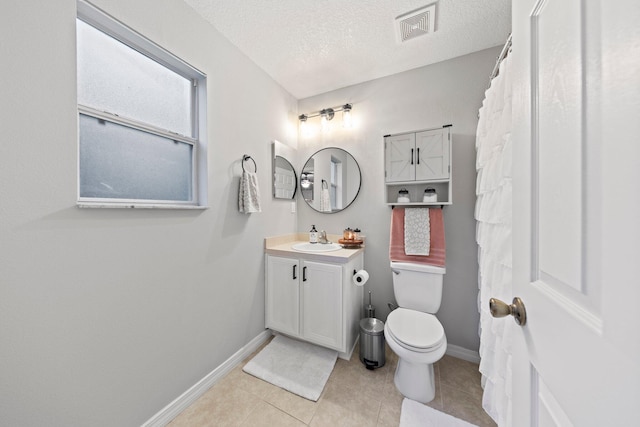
{"points": [[418, 286]]}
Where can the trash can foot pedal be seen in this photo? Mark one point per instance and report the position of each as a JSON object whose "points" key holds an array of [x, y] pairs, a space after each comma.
{"points": [[370, 364]]}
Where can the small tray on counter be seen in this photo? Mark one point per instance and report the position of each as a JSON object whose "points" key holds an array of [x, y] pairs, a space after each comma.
{"points": [[350, 244]]}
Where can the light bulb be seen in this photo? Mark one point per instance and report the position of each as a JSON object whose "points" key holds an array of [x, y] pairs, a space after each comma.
{"points": [[304, 126], [347, 122], [324, 123]]}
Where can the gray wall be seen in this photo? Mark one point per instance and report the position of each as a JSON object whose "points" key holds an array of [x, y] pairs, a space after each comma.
{"points": [[450, 92], [107, 315]]}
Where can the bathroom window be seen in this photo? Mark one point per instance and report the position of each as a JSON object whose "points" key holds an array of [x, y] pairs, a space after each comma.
{"points": [[141, 112]]}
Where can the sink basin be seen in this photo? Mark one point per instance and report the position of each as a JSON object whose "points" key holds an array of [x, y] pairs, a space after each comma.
{"points": [[316, 247]]}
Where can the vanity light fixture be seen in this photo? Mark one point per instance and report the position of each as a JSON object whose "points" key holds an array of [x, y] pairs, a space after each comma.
{"points": [[326, 115]]}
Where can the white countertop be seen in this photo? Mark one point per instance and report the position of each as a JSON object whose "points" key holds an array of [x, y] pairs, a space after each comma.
{"points": [[281, 245]]}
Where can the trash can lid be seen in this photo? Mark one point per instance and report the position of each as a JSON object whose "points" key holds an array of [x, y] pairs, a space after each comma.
{"points": [[372, 326]]}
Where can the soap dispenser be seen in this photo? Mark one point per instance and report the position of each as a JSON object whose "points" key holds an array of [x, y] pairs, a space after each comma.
{"points": [[313, 235]]}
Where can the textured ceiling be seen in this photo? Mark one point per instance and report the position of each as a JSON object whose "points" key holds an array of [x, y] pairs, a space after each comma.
{"points": [[315, 46]]}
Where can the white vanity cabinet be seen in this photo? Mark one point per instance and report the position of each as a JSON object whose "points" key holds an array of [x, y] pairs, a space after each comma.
{"points": [[416, 160], [314, 300]]}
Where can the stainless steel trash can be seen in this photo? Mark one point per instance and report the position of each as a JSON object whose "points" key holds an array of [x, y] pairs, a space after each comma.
{"points": [[372, 343]]}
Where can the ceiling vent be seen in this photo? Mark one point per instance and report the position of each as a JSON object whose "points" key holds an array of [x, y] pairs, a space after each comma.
{"points": [[416, 23]]}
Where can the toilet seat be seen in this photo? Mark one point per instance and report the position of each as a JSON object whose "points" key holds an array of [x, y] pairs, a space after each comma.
{"points": [[416, 331]]}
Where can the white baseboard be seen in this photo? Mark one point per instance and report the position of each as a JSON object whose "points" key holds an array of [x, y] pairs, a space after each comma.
{"points": [[463, 353], [173, 409]]}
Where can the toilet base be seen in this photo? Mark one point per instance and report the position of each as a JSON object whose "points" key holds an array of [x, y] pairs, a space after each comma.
{"points": [[415, 381]]}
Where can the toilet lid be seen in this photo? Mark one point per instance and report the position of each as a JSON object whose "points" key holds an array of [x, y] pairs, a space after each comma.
{"points": [[415, 328]]}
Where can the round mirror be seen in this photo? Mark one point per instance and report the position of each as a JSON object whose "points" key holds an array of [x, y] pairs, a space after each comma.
{"points": [[330, 180], [285, 182]]}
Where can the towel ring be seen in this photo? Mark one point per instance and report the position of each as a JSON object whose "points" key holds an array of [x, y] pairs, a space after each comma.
{"points": [[245, 158], [325, 186]]}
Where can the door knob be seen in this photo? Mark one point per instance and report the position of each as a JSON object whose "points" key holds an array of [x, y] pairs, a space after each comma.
{"points": [[502, 309]]}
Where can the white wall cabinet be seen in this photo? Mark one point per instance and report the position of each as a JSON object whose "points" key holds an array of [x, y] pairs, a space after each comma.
{"points": [[314, 301], [415, 161]]}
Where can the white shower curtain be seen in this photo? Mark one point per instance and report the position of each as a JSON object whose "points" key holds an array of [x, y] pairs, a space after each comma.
{"points": [[493, 234]]}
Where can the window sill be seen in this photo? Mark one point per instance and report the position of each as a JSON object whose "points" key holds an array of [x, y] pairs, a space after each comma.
{"points": [[102, 205]]}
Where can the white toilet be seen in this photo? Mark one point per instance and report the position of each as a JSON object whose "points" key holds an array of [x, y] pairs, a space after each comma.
{"points": [[412, 331]]}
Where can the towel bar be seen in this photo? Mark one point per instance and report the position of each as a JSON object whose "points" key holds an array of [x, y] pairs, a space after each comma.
{"points": [[247, 157]]}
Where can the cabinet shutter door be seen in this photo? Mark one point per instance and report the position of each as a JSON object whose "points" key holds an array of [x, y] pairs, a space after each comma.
{"points": [[432, 150], [283, 295], [322, 304], [399, 157]]}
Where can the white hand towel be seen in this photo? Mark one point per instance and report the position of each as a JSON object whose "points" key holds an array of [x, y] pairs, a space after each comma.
{"points": [[249, 194], [417, 231], [325, 200]]}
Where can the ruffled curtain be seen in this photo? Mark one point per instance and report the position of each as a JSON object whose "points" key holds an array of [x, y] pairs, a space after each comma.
{"points": [[493, 234]]}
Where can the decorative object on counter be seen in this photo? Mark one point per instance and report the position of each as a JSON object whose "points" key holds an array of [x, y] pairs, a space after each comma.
{"points": [[403, 196], [430, 195], [347, 234], [313, 235], [350, 244], [249, 194], [349, 240], [356, 234]]}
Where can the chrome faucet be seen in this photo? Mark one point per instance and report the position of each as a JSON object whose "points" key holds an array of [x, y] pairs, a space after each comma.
{"points": [[322, 237]]}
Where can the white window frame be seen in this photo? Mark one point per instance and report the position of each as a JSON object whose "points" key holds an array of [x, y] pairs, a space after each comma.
{"points": [[113, 28]]}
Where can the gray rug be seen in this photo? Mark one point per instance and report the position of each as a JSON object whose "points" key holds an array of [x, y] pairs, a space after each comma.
{"points": [[296, 366], [416, 414]]}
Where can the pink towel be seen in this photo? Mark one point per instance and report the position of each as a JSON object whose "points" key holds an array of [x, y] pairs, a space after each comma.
{"points": [[437, 253]]}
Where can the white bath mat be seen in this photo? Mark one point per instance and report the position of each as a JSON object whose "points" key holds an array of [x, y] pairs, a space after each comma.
{"points": [[296, 366], [416, 414]]}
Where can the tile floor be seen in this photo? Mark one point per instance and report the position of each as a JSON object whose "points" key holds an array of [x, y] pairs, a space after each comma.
{"points": [[353, 396]]}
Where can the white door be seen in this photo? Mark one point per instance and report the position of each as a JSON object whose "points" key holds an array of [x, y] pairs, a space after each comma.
{"points": [[432, 154], [576, 218], [322, 303], [282, 300], [399, 157]]}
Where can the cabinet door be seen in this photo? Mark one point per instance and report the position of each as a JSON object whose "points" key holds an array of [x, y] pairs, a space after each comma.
{"points": [[282, 310], [399, 155], [322, 304], [432, 155]]}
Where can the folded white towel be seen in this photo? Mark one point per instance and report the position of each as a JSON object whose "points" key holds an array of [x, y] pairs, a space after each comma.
{"points": [[249, 194], [417, 231]]}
